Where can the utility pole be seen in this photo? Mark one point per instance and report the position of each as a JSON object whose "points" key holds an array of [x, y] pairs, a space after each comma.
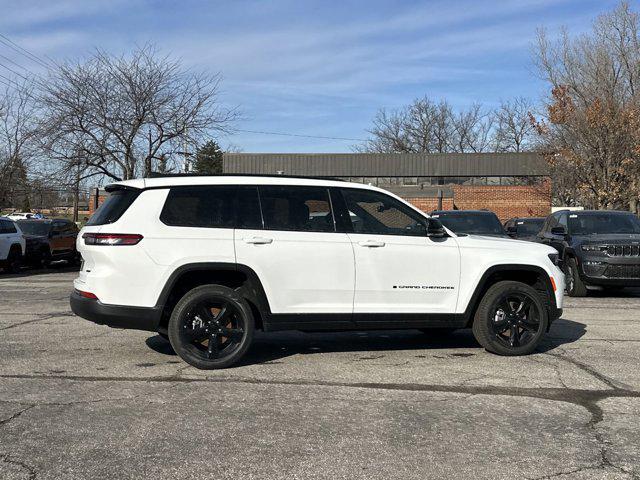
{"points": [[76, 194]]}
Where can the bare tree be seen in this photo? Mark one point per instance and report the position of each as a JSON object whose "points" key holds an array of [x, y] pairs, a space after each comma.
{"points": [[18, 134], [120, 116], [514, 129], [591, 127], [426, 126]]}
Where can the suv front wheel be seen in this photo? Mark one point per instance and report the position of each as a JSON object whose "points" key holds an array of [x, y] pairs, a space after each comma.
{"points": [[511, 319], [575, 285], [211, 327]]}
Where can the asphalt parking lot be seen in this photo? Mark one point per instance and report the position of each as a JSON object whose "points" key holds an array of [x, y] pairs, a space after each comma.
{"points": [[79, 400]]}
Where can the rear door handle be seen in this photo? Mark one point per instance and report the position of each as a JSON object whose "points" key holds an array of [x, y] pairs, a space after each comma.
{"points": [[258, 240], [371, 243]]}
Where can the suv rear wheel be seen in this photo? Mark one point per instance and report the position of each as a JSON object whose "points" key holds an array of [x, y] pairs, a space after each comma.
{"points": [[211, 327], [14, 260], [511, 319]]}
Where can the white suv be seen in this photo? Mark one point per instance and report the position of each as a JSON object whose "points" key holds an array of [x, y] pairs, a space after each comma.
{"points": [[206, 260], [12, 245]]}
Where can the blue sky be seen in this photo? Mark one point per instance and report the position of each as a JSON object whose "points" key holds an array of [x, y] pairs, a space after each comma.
{"points": [[314, 67]]}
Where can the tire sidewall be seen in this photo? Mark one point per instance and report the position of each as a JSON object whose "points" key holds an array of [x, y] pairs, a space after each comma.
{"points": [[14, 260], [577, 287], [199, 294], [482, 328]]}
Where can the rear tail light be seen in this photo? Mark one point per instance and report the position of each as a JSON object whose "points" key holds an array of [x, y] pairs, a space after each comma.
{"points": [[111, 238]]}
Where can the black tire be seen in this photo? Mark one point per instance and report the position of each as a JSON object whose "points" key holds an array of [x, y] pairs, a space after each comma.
{"points": [[193, 322], [511, 319], [14, 260], [45, 258], [74, 260], [575, 285]]}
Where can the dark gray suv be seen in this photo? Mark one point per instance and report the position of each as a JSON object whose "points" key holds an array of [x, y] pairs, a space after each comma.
{"points": [[598, 248]]}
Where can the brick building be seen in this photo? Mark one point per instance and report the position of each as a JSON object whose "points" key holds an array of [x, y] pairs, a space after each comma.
{"points": [[510, 184]]}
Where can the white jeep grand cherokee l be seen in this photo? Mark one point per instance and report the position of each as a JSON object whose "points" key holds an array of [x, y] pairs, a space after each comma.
{"points": [[206, 260]]}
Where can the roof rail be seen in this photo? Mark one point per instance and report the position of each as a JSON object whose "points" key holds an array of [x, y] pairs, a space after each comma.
{"points": [[268, 175]]}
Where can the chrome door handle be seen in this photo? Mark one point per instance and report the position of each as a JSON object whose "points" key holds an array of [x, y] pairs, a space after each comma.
{"points": [[258, 240], [371, 243]]}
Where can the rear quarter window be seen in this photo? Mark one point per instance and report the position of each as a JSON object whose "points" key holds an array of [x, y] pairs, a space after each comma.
{"points": [[113, 207], [200, 206]]}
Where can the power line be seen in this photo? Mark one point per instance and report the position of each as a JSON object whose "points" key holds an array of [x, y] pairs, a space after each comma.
{"points": [[22, 51], [15, 84], [7, 84], [304, 136], [14, 72], [16, 64]]}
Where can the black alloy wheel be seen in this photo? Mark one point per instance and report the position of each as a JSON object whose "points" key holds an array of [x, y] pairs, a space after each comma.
{"points": [[516, 320], [511, 318], [211, 327]]}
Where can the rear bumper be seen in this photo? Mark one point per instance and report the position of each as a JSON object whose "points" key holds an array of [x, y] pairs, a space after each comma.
{"points": [[116, 316]]}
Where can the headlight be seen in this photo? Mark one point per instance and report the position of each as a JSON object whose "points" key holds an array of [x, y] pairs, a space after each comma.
{"points": [[555, 258], [592, 248]]}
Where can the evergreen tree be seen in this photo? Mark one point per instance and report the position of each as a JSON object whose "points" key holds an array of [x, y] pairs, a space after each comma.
{"points": [[208, 159]]}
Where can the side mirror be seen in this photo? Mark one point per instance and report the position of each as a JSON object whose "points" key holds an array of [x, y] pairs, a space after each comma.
{"points": [[435, 229], [559, 230]]}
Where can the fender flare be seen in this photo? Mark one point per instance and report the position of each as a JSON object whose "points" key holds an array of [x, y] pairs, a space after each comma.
{"points": [[482, 285], [18, 246], [252, 289]]}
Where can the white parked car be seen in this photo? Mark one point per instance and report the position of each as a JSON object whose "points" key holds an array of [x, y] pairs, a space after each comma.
{"points": [[207, 260], [12, 245], [21, 215]]}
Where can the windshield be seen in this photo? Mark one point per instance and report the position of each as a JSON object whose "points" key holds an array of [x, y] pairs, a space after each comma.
{"points": [[34, 227], [603, 223], [477, 224], [530, 226]]}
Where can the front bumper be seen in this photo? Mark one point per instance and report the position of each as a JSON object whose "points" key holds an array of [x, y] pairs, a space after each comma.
{"points": [[607, 271], [116, 316], [554, 314]]}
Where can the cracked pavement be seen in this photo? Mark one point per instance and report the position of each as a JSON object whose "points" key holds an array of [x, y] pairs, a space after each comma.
{"points": [[81, 401]]}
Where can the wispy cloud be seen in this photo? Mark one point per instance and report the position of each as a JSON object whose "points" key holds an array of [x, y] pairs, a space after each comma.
{"points": [[318, 67]]}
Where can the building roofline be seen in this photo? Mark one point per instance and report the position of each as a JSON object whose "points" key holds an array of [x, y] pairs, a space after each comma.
{"points": [[388, 164]]}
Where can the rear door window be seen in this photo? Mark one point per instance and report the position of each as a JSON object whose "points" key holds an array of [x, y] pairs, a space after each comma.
{"points": [[303, 209], [113, 207], [247, 208]]}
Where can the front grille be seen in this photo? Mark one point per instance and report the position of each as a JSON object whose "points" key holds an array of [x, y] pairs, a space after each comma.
{"points": [[622, 271], [622, 250]]}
